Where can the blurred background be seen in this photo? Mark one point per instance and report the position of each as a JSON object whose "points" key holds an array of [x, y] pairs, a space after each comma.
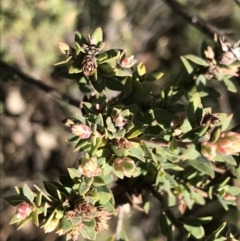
{"points": [[32, 134]]}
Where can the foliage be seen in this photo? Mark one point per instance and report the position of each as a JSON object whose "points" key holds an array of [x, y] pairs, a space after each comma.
{"points": [[26, 32], [167, 144]]}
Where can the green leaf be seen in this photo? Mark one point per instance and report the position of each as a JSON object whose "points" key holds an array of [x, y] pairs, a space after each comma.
{"points": [[229, 159], [109, 206], [233, 229], [35, 217], [164, 223], [194, 134], [60, 187], [202, 165], [65, 224], [16, 199], [104, 197], [149, 152], [123, 236], [197, 231], [163, 117], [51, 189], [137, 130], [39, 198], [216, 233], [65, 48], [112, 238], [146, 206], [137, 151], [114, 84], [195, 110], [96, 145], [81, 144], [28, 193], [90, 229], [73, 138], [229, 84], [198, 198], [123, 72], [187, 65], [74, 173], [99, 86], [98, 181], [46, 196], [101, 57], [104, 194], [98, 36], [197, 60], [172, 166], [233, 190], [141, 69], [226, 122], [83, 188], [24, 221], [80, 41], [154, 76], [128, 166], [99, 120], [173, 144], [15, 219]]}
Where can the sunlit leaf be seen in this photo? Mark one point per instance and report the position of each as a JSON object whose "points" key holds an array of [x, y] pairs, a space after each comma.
{"points": [[202, 165], [197, 60]]}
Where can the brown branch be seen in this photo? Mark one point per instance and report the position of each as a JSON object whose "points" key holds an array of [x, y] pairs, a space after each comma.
{"points": [[162, 143], [29, 80], [195, 20]]}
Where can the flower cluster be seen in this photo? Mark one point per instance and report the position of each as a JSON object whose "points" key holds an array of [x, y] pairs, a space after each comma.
{"points": [[89, 167], [227, 144], [83, 213]]}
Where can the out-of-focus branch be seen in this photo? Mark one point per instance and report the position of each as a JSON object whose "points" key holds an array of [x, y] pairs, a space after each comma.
{"points": [[119, 222], [237, 2], [195, 20], [29, 80]]}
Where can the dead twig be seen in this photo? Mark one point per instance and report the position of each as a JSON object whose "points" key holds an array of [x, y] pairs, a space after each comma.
{"points": [[195, 20], [29, 80]]}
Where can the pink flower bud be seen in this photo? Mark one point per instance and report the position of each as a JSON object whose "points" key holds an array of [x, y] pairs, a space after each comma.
{"points": [[98, 107], [23, 210], [124, 165], [89, 167], [228, 143], [208, 150], [128, 60], [81, 130], [229, 197]]}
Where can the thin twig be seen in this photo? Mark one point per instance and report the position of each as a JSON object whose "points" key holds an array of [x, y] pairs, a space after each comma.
{"points": [[29, 80], [162, 143], [195, 20], [119, 222]]}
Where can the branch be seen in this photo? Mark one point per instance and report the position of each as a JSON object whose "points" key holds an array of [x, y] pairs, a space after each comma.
{"points": [[237, 2], [119, 222], [162, 143], [195, 20], [29, 80]]}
